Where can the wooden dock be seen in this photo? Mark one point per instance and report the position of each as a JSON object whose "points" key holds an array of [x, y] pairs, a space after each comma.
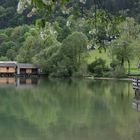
{"points": [[136, 99], [136, 83]]}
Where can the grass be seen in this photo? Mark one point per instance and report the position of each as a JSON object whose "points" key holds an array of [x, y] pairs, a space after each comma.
{"points": [[95, 54]]}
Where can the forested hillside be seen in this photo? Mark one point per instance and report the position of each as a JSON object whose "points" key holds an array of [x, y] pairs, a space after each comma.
{"points": [[65, 40], [9, 16]]}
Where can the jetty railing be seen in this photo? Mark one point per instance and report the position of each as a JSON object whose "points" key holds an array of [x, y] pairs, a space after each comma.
{"points": [[136, 83]]}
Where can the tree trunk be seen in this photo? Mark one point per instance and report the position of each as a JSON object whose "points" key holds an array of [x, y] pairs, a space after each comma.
{"points": [[128, 67], [122, 62]]}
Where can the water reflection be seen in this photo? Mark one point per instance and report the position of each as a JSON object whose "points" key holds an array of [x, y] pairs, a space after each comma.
{"points": [[69, 110], [18, 82], [7, 81], [26, 82], [136, 100]]}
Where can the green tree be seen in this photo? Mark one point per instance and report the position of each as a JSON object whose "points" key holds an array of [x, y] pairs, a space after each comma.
{"points": [[4, 47], [122, 47], [74, 47], [3, 38], [31, 46], [48, 58], [57, 60]]}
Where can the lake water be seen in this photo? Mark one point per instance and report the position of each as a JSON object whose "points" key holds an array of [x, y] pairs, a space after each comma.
{"points": [[68, 110]]}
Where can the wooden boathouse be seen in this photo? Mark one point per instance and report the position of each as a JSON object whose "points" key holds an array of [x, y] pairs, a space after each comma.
{"points": [[27, 69], [7, 68], [12, 68]]}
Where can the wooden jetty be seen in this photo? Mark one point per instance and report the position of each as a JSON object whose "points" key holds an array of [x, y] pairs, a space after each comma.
{"points": [[136, 83], [136, 99]]}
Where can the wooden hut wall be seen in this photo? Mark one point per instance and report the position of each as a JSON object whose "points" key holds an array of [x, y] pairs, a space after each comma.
{"points": [[7, 69]]}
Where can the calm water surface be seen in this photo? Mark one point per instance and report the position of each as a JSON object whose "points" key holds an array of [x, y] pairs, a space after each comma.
{"points": [[68, 110]]}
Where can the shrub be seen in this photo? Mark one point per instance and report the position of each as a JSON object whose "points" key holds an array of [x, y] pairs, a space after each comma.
{"points": [[119, 72], [114, 64], [98, 67]]}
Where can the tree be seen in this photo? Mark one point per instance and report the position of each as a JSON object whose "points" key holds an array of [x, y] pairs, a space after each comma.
{"points": [[9, 16], [3, 38], [4, 47], [48, 58], [48, 5], [63, 60], [11, 53], [74, 47], [122, 47], [18, 33], [31, 46]]}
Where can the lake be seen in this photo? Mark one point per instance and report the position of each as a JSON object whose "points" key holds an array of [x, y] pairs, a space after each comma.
{"points": [[78, 109]]}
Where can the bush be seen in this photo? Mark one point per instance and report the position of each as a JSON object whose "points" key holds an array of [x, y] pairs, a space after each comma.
{"points": [[119, 72], [82, 71], [98, 67], [114, 64]]}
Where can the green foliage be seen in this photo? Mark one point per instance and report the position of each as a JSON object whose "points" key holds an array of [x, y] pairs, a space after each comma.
{"points": [[48, 57], [119, 72], [114, 64], [98, 67], [4, 47], [74, 50], [3, 38], [64, 32], [63, 60], [12, 38], [122, 48], [3, 58], [31, 46], [9, 16]]}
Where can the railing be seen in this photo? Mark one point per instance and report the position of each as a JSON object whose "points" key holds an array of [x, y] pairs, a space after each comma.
{"points": [[136, 83], [136, 99]]}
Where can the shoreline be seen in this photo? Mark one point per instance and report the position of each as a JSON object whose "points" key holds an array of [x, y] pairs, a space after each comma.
{"points": [[111, 78]]}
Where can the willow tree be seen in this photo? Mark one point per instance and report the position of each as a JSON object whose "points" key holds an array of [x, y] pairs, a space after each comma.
{"points": [[123, 47]]}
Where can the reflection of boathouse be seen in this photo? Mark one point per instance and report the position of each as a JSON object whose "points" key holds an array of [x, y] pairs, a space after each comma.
{"points": [[7, 80], [11, 68], [26, 82], [18, 82]]}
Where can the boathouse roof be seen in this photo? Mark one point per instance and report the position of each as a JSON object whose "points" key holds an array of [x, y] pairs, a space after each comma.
{"points": [[25, 65], [15, 64], [8, 64]]}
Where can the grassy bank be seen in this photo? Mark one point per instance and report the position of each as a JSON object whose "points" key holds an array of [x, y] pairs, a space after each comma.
{"points": [[95, 54]]}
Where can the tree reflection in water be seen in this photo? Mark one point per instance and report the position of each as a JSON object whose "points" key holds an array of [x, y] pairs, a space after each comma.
{"points": [[69, 109]]}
